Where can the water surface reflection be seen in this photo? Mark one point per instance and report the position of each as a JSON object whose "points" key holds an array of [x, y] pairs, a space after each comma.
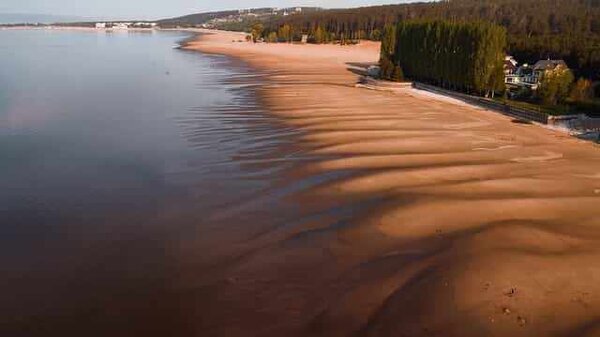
{"points": [[120, 155]]}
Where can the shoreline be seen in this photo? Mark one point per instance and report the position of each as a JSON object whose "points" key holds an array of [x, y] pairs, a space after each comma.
{"points": [[476, 225]]}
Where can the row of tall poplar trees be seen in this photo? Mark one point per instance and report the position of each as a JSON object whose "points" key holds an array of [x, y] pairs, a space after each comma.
{"points": [[465, 56]]}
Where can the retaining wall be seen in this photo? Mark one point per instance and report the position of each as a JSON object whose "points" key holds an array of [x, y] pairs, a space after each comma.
{"points": [[519, 113]]}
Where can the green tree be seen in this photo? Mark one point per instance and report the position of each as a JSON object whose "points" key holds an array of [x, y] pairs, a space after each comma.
{"points": [[388, 42], [375, 35], [320, 35], [582, 90], [464, 56], [386, 56], [555, 86], [272, 37], [398, 74], [386, 69], [285, 33], [562, 29], [256, 31]]}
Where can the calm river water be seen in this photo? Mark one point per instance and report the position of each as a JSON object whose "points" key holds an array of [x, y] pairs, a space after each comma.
{"points": [[118, 152]]}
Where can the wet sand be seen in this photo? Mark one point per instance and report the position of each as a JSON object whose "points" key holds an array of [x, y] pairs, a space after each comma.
{"points": [[441, 219]]}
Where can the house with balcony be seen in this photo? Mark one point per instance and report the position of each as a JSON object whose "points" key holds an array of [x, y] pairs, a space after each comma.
{"points": [[526, 76]]}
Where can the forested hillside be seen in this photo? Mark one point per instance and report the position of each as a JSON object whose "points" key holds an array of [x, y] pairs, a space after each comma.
{"points": [[537, 29], [195, 19], [237, 20]]}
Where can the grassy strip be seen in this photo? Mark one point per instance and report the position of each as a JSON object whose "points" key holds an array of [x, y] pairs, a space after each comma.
{"points": [[553, 110]]}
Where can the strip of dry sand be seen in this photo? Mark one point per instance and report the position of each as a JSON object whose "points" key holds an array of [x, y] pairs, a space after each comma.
{"points": [[482, 226]]}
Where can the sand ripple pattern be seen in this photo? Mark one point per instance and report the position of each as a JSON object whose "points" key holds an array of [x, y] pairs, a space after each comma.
{"points": [[411, 217]]}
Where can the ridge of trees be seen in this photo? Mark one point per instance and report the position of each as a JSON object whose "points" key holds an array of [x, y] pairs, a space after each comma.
{"points": [[195, 19], [537, 29]]}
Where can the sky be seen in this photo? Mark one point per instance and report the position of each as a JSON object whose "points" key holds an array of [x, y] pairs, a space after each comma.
{"points": [[152, 9]]}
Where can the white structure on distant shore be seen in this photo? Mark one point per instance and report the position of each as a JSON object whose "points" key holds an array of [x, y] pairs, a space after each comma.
{"points": [[121, 25], [101, 25], [145, 24]]}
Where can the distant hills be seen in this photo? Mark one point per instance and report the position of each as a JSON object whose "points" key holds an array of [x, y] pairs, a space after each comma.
{"points": [[234, 19], [197, 19]]}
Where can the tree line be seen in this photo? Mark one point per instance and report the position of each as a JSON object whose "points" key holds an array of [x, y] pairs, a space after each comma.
{"points": [[537, 29], [465, 56]]}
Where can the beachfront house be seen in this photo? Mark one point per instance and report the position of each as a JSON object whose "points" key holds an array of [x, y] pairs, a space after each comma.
{"points": [[100, 25], [541, 68], [521, 77], [526, 76]]}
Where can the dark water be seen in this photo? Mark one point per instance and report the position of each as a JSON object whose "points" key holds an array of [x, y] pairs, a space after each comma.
{"points": [[117, 152]]}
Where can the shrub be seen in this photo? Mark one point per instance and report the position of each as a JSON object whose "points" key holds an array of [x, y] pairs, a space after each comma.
{"points": [[555, 86], [320, 36], [257, 30], [386, 68], [285, 33], [398, 74], [582, 90], [272, 37]]}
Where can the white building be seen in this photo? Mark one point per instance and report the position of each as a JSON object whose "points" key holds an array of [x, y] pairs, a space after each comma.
{"points": [[101, 25], [145, 24], [121, 25]]}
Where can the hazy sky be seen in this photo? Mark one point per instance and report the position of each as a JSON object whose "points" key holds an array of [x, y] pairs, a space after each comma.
{"points": [[160, 8]]}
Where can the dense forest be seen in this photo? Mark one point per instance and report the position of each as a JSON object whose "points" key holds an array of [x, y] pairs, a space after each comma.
{"points": [[537, 29], [460, 56]]}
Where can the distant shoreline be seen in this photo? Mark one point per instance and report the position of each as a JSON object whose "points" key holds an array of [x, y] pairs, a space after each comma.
{"points": [[50, 27]]}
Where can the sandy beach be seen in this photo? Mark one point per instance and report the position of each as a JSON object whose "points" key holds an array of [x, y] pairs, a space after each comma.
{"points": [[463, 221]]}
